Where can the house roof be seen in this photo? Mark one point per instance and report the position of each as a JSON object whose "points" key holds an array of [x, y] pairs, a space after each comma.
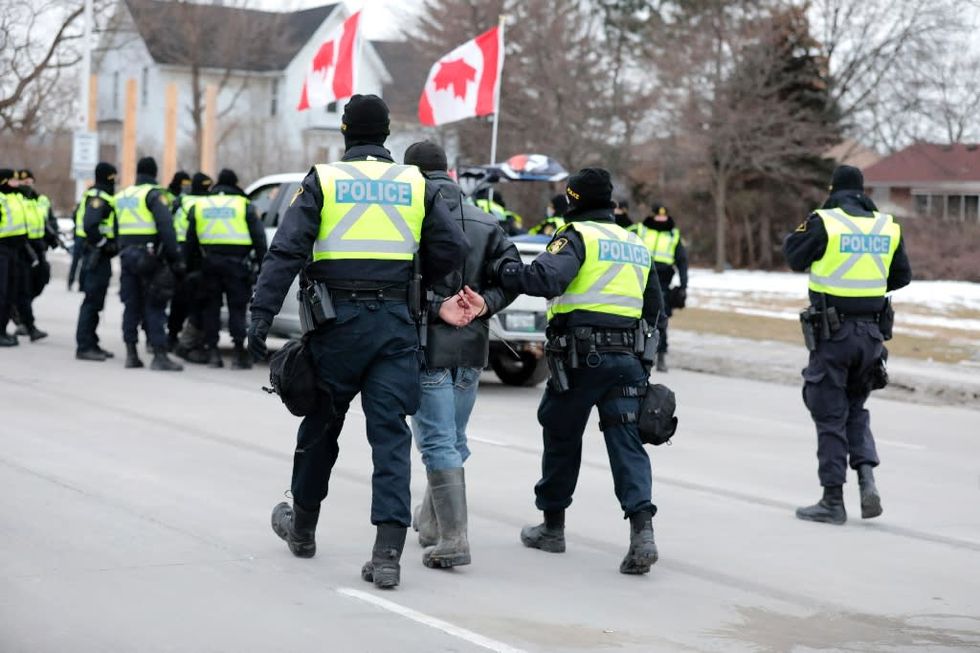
{"points": [[409, 69], [217, 36], [923, 163]]}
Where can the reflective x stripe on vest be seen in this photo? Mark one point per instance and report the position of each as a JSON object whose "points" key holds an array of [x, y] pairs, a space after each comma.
{"points": [[108, 226], [371, 210], [662, 244], [858, 255], [12, 221], [220, 220], [613, 276], [134, 217]]}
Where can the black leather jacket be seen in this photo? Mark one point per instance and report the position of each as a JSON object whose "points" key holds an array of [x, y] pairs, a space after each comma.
{"points": [[469, 346]]}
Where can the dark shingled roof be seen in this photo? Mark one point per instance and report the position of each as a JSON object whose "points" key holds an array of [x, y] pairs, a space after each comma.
{"points": [[408, 68], [928, 162], [216, 36]]}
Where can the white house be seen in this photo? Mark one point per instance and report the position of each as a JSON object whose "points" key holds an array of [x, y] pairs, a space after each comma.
{"points": [[258, 60]]}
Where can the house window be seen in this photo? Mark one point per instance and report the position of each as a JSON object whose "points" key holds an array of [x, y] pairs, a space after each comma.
{"points": [[921, 205], [274, 102], [115, 90], [970, 208], [954, 206], [936, 205], [145, 87]]}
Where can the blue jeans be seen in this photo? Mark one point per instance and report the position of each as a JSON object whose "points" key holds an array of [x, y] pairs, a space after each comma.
{"points": [[439, 425]]}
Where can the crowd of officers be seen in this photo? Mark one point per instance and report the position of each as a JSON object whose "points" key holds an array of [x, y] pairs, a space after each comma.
{"points": [[365, 234], [190, 246]]}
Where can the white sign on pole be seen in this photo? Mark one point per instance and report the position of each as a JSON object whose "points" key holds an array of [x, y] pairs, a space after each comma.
{"points": [[84, 154]]}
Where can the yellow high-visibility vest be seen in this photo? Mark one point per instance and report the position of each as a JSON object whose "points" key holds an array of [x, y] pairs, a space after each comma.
{"points": [[12, 218], [132, 213], [613, 276], [858, 255], [108, 225], [662, 244], [221, 220], [371, 210]]}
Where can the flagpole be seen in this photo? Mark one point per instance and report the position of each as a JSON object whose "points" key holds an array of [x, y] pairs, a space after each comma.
{"points": [[496, 99]]}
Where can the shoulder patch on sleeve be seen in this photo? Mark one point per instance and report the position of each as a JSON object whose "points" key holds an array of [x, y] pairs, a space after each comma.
{"points": [[802, 226], [95, 202], [557, 245]]}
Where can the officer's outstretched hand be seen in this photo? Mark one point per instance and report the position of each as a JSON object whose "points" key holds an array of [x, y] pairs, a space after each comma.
{"points": [[258, 331]]}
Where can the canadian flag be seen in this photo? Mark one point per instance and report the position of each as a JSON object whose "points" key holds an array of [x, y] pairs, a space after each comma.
{"points": [[464, 83], [331, 74]]}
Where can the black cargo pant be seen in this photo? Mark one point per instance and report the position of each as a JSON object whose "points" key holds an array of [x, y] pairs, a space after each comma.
{"points": [[96, 272], [836, 386], [8, 281], [25, 264], [40, 273], [224, 277], [564, 417], [139, 307], [371, 349]]}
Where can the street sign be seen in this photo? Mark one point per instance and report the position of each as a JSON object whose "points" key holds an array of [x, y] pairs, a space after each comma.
{"points": [[84, 154]]}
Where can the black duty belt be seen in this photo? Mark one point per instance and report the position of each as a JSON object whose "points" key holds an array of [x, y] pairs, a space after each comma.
{"points": [[591, 339], [368, 294]]}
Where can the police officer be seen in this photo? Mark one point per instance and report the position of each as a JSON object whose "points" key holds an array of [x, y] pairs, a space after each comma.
{"points": [[13, 240], [147, 243], [186, 306], [361, 220], [596, 276], [42, 234], [454, 359], [98, 219], [855, 255], [554, 219], [180, 184], [224, 228], [663, 239]]}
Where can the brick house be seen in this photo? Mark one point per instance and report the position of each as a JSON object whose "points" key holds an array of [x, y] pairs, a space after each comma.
{"points": [[928, 180]]}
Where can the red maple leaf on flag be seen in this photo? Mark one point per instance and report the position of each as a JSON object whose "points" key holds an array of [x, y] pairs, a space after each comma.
{"points": [[323, 58], [456, 73]]}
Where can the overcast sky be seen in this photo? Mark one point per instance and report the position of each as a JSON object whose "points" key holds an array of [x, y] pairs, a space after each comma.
{"points": [[381, 17]]}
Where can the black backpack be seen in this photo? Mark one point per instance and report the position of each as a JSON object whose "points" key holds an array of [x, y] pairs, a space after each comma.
{"points": [[292, 375]]}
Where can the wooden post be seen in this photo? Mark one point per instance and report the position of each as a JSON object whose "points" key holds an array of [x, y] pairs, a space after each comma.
{"points": [[93, 102], [128, 154], [208, 139], [169, 132]]}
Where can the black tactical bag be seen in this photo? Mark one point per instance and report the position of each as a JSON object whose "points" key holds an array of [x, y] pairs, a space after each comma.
{"points": [[292, 375], [656, 421]]}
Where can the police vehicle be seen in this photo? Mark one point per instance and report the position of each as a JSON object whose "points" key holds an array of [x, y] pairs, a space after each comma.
{"points": [[516, 333]]}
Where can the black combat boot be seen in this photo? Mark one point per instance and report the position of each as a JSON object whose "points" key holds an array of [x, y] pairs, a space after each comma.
{"points": [[449, 502], [90, 355], [383, 569], [36, 334], [661, 361], [241, 359], [424, 521], [162, 363], [297, 527], [214, 358], [197, 355], [642, 553], [7, 340], [132, 356], [870, 499], [107, 354], [830, 509], [549, 536]]}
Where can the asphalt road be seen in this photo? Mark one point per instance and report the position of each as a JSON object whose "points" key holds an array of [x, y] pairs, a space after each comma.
{"points": [[134, 516]]}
